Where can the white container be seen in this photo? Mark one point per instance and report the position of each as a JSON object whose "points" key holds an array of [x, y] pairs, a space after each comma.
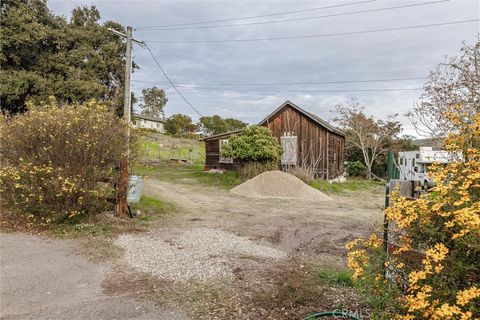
{"points": [[135, 189]]}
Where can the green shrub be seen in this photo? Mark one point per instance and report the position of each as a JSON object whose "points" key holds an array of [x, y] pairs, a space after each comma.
{"points": [[356, 169], [254, 143], [59, 162]]}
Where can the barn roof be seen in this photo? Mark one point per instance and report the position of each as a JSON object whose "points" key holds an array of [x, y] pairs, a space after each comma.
{"points": [[220, 135], [311, 116]]}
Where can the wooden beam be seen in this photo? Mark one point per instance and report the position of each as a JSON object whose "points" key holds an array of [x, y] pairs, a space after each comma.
{"points": [[122, 188]]}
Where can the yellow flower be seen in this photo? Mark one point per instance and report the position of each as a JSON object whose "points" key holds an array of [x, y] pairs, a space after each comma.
{"points": [[465, 296], [437, 253], [446, 311]]}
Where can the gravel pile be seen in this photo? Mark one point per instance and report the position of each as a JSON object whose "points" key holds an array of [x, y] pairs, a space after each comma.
{"points": [[279, 184], [200, 254]]}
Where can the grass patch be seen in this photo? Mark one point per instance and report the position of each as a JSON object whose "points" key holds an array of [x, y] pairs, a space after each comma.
{"points": [[189, 174], [226, 180], [82, 230], [338, 278], [155, 146], [349, 185], [150, 206], [102, 225]]}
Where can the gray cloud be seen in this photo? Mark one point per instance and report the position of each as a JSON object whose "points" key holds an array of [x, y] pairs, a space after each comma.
{"points": [[395, 54]]}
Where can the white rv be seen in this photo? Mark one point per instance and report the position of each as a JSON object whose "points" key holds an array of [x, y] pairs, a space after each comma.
{"points": [[414, 165]]}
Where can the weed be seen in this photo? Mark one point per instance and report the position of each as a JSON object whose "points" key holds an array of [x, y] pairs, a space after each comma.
{"points": [[341, 278], [349, 185], [82, 230]]}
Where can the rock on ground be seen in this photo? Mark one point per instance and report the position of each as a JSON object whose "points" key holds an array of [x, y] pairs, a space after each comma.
{"points": [[200, 253]]}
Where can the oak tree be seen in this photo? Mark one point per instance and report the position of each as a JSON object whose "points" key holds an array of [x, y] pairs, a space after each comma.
{"points": [[153, 102], [43, 54]]}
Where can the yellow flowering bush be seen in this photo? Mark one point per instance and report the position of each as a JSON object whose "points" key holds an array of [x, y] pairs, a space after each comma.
{"points": [[59, 161], [435, 266]]}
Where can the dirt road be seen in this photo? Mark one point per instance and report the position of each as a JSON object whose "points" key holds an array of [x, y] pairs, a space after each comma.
{"points": [[268, 251], [45, 279]]}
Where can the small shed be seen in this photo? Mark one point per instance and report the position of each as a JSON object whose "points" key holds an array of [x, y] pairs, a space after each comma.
{"points": [[213, 147], [308, 142]]}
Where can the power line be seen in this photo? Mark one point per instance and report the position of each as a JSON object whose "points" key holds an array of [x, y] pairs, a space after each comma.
{"points": [[290, 90], [298, 19], [289, 83], [318, 35], [170, 81], [253, 17], [307, 90]]}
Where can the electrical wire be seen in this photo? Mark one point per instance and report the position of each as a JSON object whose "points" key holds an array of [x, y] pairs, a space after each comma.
{"points": [[290, 83], [317, 35], [170, 81], [254, 17], [299, 19], [293, 90], [307, 90]]}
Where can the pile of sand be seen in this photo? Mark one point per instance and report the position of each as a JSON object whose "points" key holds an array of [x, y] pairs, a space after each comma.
{"points": [[278, 184]]}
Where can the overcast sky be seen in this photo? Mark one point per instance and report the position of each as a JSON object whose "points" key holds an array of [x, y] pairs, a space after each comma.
{"points": [[408, 53]]}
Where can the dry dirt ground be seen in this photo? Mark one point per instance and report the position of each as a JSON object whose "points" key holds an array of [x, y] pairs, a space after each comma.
{"points": [[308, 236], [312, 236], [314, 230]]}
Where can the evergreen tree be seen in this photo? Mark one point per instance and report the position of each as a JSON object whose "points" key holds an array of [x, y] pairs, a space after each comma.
{"points": [[43, 54]]}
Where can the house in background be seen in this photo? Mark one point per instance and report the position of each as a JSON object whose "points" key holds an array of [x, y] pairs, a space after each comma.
{"points": [[142, 121], [308, 142]]}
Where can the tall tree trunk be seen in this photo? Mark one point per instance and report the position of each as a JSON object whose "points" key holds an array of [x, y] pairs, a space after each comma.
{"points": [[369, 171]]}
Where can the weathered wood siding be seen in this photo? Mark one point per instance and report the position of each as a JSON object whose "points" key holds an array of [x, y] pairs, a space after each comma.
{"points": [[212, 156], [317, 146]]}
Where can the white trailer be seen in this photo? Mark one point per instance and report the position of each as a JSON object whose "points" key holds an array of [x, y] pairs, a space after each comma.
{"points": [[414, 165]]}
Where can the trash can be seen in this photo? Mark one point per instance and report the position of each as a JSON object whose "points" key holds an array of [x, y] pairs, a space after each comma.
{"points": [[135, 188]]}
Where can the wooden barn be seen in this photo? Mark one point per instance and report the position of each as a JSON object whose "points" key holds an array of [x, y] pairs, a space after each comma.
{"points": [[308, 142]]}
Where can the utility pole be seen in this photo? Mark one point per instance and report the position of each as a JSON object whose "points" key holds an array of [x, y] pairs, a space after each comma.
{"points": [[127, 101]]}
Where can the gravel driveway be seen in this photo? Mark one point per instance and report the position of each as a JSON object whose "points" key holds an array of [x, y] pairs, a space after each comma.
{"points": [[225, 256], [316, 229]]}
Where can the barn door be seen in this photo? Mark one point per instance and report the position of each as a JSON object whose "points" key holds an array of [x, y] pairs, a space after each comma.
{"points": [[289, 144], [221, 159]]}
